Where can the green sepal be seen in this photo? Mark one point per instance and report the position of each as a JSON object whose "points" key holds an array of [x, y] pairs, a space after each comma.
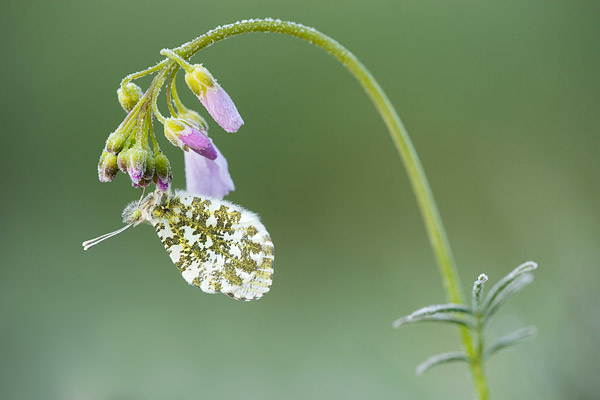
{"points": [[122, 161], [150, 167], [198, 79], [107, 167], [115, 142]]}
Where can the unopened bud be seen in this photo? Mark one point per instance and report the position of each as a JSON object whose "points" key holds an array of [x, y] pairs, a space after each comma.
{"points": [[149, 173], [122, 161], [173, 128], [115, 141], [199, 79], [213, 97], [136, 164], [129, 95], [107, 167], [187, 136], [162, 172]]}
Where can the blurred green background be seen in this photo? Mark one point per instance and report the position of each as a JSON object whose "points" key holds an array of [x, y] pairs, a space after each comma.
{"points": [[502, 101]]}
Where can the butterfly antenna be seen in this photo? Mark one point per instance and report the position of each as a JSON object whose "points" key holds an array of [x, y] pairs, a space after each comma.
{"points": [[92, 242]]}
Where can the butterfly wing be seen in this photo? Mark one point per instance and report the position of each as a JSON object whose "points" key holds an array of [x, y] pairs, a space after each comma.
{"points": [[216, 245]]}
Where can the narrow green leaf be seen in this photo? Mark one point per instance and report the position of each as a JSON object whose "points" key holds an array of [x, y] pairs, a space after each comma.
{"points": [[421, 313], [440, 359], [478, 292], [440, 308], [510, 339], [507, 280], [513, 287], [439, 317]]}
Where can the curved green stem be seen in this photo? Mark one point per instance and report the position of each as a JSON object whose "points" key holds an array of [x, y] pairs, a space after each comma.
{"points": [[175, 95], [157, 112], [140, 133], [177, 58], [427, 205], [170, 94], [140, 74]]}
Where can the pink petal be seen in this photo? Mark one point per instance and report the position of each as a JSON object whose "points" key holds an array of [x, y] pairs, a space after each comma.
{"points": [[135, 174], [163, 184], [220, 106], [200, 143], [207, 177]]}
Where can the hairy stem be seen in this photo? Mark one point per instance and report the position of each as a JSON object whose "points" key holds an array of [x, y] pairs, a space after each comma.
{"points": [[143, 73], [476, 363], [420, 185]]}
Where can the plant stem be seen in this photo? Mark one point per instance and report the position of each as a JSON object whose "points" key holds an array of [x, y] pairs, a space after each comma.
{"points": [[420, 185], [143, 73], [477, 360]]}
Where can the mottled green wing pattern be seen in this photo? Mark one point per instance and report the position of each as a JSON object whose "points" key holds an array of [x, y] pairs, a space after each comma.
{"points": [[216, 245]]}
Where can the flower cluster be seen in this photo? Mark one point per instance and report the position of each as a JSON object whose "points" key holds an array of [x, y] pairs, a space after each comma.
{"points": [[128, 148]]}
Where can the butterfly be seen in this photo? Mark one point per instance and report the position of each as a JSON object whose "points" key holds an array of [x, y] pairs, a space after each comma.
{"points": [[217, 246]]}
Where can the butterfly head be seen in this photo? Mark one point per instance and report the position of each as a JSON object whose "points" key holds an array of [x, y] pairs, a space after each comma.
{"points": [[134, 214], [137, 212]]}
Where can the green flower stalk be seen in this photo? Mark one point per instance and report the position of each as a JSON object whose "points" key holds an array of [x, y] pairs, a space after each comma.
{"points": [[206, 168]]}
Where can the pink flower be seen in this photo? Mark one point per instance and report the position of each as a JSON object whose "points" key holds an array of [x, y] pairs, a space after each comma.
{"points": [[220, 106], [208, 177], [163, 183], [200, 143], [212, 96], [186, 135], [137, 159]]}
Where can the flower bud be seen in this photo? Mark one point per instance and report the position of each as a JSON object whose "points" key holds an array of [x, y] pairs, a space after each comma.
{"points": [[220, 106], [149, 173], [199, 79], [162, 172], [122, 161], [173, 128], [129, 95], [214, 98], [115, 141], [107, 167], [136, 164], [187, 136]]}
